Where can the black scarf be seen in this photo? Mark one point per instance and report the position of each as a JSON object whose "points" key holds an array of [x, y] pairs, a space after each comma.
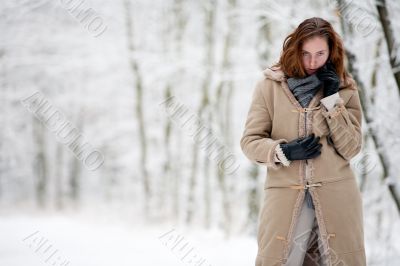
{"points": [[304, 89]]}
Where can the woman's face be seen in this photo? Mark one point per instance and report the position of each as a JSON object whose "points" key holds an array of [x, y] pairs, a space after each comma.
{"points": [[314, 53]]}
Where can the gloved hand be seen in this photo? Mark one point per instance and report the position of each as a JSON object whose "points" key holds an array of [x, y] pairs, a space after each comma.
{"points": [[329, 78], [302, 148]]}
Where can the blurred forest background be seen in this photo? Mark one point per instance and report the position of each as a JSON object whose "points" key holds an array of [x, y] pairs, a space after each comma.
{"points": [[134, 109]]}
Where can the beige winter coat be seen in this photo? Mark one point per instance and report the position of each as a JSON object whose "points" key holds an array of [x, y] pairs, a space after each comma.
{"points": [[274, 117]]}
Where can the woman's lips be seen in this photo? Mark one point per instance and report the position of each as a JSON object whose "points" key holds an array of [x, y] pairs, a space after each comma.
{"points": [[312, 71]]}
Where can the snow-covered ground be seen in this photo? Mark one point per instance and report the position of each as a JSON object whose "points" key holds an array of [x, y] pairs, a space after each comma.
{"points": [[77, 240]]}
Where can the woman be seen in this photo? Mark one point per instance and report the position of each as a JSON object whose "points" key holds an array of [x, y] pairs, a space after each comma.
{"points": [[304, 124]]}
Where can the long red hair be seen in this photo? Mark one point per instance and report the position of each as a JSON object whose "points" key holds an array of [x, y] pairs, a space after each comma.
{"points": [[290, 61]]}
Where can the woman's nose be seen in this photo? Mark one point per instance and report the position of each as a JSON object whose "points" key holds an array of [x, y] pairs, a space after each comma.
{"points": [[313, 63]]}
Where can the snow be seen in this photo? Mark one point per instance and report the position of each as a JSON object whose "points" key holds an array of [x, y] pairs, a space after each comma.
{"points": [[86, 241]]}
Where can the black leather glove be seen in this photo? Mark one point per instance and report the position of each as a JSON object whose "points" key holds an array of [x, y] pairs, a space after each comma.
{"points": [[302, 148], [329, 78]]}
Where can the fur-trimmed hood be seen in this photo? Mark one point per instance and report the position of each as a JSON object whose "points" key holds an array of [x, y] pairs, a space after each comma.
{"points": [[274, 73]]}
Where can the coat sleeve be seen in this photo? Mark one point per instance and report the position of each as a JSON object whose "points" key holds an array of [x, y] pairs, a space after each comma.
{"points": [[344, 122], [256, 141]]}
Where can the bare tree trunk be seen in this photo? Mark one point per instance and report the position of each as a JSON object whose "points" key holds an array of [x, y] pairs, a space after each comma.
{"points": [[253, 199], [192, 184], [264, 42], [391, 41], [75, 167], [207, 193], [210, 10], [3, 108], [166, 178], [224, 113], [172, 43], [176, 192], [59, 194], [364, 173], [207, 188], [74, 182], [139, 110], [40, 163]]}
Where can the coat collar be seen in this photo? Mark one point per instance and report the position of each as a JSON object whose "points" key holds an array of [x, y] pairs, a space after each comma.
{"points": [[275, 73]]}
